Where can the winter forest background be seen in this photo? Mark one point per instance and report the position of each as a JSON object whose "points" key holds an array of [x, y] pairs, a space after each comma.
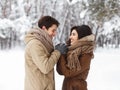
{"points": [[103, 16], [18, 16]]}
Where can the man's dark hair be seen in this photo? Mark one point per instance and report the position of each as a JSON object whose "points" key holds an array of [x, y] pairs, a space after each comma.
{"points": [[47, 21]]}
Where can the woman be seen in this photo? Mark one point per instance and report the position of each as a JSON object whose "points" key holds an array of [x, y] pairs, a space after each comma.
{"points": [[75, 64]]}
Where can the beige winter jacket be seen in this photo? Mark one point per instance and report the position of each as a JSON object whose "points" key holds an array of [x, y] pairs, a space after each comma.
{"points": [[39, 65]]}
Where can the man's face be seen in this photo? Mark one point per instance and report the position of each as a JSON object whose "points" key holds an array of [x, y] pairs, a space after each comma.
{"points": [[52, 30]]}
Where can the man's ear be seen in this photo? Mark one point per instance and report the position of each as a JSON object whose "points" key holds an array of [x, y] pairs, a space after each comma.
{"points": [[43, 28]]}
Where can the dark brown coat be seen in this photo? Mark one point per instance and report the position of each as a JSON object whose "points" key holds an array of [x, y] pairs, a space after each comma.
{"points": [[75, 80]]}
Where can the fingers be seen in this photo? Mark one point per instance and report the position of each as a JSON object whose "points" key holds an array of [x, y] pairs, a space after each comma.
{"points": [[60, 44], [62, 47]]}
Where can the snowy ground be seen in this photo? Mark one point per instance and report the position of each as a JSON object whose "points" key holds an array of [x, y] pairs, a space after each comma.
{"points": [[104, 73]]}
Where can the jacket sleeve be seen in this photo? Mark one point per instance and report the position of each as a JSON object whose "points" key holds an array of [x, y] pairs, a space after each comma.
{"points": [[41, 60], [61, 63], [62, 69]]}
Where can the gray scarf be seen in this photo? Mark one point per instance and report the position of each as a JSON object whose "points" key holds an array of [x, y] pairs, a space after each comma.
{"points": [[43, 37]]}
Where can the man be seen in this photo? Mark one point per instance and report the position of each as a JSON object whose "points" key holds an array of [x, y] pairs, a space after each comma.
{"points": [[40, 56]]}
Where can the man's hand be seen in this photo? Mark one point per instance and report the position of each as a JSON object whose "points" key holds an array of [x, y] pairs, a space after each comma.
{"points": [[62, 48]]}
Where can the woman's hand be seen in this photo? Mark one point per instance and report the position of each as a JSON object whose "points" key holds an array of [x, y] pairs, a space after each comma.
{"points": [[62, 48]]}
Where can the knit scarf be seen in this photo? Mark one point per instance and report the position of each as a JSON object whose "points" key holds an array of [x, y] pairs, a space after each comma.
{"points": [[43, 37], [82, 46]]}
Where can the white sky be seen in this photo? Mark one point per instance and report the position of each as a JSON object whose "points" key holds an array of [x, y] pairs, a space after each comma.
{"points": [[104, 73]]}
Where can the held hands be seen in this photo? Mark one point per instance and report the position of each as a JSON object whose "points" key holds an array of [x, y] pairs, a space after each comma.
{"points": [[62, 48]]}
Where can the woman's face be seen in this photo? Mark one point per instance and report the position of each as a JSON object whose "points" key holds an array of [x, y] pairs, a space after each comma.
{"points": [[73, 37]]}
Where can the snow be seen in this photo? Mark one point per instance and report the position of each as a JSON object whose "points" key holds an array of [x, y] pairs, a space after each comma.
{"points": [[104, 73], [11, 69], [5, 23], [112, 24], [72, 1], [82, 14]]}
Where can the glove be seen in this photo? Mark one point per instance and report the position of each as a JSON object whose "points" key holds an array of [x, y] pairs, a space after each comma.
{"points": [[62, 48]]}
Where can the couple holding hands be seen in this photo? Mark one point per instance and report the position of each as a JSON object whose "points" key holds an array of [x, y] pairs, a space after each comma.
{"points": [[73, 58]]}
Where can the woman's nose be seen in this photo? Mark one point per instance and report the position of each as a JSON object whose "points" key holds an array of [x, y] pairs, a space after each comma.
{"points": [[70, 37]]}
